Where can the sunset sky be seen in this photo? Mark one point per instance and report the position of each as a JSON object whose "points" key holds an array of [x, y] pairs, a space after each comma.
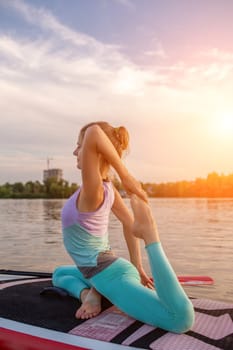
{"points": [[162, 68]]}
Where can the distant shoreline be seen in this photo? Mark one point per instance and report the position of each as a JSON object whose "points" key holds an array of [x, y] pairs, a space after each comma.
{"points": [[155, 197], [213, 186]]}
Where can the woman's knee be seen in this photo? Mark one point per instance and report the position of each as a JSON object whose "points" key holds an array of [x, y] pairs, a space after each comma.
{"points": [[185, 318], [62, 271], [57, 273]]}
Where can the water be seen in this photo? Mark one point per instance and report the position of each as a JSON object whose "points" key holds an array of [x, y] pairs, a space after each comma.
{"points": [[197, 235]]}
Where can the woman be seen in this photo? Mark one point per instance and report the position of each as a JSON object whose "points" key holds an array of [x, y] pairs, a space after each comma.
{"points": [[97, 270]]}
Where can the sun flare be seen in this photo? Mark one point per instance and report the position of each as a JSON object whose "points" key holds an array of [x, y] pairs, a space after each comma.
{"points": [[223, 125], [226, 123]]}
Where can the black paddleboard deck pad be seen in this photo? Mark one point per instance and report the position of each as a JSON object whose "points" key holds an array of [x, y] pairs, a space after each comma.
{"points": [[30, 306]]}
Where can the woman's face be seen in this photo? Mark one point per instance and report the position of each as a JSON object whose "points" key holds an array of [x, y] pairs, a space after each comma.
{"points": [[78, 152]]}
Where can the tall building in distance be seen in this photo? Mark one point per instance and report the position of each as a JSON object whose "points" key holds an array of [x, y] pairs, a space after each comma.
{"points": [[54, 173]]}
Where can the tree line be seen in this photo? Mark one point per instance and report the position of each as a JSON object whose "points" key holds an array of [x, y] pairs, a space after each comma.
{"points": [[214, 185], [51, 188]]}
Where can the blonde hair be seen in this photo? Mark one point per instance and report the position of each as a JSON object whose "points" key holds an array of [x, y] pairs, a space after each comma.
{"points": [[119, 137]]}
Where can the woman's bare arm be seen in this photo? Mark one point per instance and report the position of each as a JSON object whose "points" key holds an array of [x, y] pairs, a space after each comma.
{"points": [[96, 142], [122, 212]]}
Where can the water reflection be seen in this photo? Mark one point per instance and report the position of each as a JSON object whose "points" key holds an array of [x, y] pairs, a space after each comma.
{"points": [[197, 235], [51, 209], [51, 220]]}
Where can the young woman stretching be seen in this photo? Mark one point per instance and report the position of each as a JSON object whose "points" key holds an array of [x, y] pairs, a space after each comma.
{"points": [[97, 270]]}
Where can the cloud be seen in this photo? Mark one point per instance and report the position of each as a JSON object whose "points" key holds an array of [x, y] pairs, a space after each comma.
{"points": [[218, 65], [217, 54], [53, 83], [43, 19], [80, 60], [84, 61]]}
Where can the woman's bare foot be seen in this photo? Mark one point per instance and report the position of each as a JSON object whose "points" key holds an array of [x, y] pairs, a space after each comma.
{"points": [[91, 304], [144, 226]]}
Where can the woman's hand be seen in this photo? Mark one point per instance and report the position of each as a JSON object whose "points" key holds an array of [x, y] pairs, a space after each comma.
{"points": [[131, 185], [145, 280]]}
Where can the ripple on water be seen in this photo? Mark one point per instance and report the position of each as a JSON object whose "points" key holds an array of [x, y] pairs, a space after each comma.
{"points": [[197, 235]]}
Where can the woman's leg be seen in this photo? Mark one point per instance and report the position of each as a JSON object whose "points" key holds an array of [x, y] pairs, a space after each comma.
{"points": [[72, 280], [168, 307]]}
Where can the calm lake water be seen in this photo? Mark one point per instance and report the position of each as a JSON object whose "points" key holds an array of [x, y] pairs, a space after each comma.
{"points": [[197, 236]]}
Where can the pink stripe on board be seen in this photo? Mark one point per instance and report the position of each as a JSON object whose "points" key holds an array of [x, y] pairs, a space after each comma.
{"points": [[105, 326], [211, 326], [211, 304], [15, 283], [180, 341], [138, 334]]}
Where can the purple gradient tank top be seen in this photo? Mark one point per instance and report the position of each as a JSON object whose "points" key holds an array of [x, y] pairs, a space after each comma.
{"points": [[96, 222]]}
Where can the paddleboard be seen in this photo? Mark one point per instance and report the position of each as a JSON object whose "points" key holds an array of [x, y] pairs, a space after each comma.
{"points": [[34, 320]]}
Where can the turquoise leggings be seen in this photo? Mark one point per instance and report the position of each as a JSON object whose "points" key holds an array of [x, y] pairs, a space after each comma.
{"points": [[167, 307]]}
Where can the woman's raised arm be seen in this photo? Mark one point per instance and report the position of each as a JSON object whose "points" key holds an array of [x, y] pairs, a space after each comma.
{"points": [[103, 145]]}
